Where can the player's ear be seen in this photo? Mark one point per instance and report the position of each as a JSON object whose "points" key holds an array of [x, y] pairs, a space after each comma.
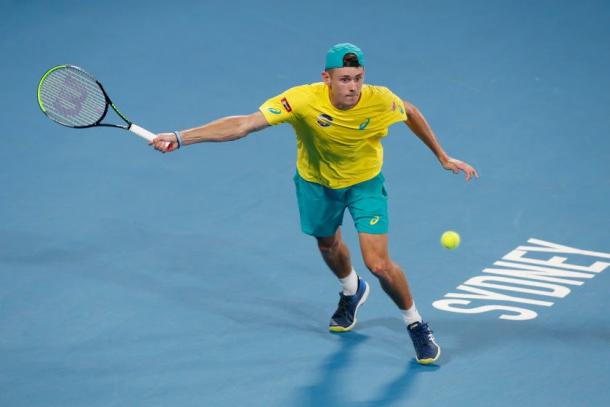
{"points": [[326, 77]]}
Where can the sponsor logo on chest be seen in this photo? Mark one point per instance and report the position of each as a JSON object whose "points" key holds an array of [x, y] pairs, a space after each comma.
{"points": [[326, 120]]}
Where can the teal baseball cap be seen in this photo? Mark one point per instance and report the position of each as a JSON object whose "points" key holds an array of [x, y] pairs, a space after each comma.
{"points": [[334, 56]]}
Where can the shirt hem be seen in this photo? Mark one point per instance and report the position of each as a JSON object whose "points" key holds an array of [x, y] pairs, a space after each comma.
{"points": [[341, 185]]}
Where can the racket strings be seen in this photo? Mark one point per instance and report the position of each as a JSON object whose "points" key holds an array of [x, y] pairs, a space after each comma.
{"points": [[72, 97]]}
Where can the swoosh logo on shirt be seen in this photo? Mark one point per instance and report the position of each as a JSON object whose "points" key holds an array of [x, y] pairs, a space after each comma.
{"points": [[364, 124], [274, 110]]}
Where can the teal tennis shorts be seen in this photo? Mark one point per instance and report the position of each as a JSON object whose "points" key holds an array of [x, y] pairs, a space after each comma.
{"points": [[322, 208]]}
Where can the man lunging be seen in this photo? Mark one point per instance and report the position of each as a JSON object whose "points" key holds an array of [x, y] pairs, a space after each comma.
{"points": [[339, 124]]}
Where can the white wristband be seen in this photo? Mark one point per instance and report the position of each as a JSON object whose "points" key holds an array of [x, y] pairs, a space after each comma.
{"points": [[179, 138]]}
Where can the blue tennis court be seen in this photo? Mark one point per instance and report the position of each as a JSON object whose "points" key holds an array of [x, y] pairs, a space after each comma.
{"points": [[132, 278]]}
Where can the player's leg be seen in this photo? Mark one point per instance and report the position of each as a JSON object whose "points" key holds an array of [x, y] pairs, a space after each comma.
{"points": [[321, 212], [374, 249], [393, 281], [355, 290], [336, 254], [368, 207]]}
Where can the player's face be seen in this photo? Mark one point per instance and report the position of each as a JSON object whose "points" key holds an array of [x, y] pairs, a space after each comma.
{"points": [[345, 85]]}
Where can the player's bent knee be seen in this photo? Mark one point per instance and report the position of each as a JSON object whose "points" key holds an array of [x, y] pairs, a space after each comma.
{"points": [[380, 268]]}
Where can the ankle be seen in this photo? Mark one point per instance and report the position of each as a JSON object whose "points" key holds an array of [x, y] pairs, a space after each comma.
{"points": [[411, 315], [350, 283]]}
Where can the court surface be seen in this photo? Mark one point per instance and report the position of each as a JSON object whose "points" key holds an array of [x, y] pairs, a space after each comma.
{"points": [[131, 278]]}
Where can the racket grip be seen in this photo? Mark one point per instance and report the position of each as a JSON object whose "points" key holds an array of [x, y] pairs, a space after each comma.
{"points": [[142, 132], [134, 128]]}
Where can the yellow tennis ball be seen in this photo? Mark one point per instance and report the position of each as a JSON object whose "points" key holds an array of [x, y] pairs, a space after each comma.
{"points": [[450, 240]]}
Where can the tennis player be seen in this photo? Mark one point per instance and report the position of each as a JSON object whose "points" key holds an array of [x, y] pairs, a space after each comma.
{"points": [[339, 124]]}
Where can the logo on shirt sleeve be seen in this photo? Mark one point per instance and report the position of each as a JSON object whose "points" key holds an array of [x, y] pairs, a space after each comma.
{"points": [[400, 106], [286, 105], [274, 110]]}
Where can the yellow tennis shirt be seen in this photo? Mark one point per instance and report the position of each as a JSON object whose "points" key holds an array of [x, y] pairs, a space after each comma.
{"points": [[336, 148]]}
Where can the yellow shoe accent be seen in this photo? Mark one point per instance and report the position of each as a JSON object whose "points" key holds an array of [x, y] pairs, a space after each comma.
{"points": [[429, 361], [339, 329]]}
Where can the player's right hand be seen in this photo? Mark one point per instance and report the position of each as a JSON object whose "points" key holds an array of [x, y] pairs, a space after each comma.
{"points": [[165, 142]]}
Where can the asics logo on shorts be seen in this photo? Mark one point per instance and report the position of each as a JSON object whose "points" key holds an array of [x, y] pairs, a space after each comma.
{"points": [[374, 220]]}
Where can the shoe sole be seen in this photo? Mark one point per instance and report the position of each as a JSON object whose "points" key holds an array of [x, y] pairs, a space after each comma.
{"points": [[338, 329], [429, 361]]}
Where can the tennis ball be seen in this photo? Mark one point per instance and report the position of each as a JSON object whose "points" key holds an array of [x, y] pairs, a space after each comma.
{"points": [[450, 240]]}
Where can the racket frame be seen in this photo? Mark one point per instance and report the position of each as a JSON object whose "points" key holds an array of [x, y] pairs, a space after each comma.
{"points": [[129, 125], [109, 102]]}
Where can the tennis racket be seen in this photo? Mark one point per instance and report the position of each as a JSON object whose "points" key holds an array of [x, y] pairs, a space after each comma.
{"points": [[72, 97]]}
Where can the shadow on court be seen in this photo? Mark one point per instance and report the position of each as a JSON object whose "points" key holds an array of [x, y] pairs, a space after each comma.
{"points": [[330, 389]]}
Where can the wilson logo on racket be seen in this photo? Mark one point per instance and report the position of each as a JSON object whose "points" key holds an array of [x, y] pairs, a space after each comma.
{"points": [[71, 97]]}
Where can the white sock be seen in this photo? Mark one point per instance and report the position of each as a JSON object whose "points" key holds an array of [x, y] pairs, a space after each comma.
{"points": [[350, 283], [411, 315]]}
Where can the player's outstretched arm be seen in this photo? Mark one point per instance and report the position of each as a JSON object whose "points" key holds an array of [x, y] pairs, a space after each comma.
{"points": [[418, 125], [225, 129]]}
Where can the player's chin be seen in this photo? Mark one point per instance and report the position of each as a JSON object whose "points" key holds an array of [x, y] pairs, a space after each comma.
{"points": [[351, 99]]}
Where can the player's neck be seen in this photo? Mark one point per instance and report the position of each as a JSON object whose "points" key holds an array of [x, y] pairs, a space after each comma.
{"points": [[338, 104]]}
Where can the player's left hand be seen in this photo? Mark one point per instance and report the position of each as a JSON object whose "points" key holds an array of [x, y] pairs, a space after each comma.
{"points": [[456, 166]]}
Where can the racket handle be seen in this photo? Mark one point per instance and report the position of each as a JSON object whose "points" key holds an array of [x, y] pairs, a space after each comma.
{"points": [[134, 128]]}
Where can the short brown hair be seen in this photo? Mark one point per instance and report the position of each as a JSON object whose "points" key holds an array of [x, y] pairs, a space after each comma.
{"points": [[351, 60]]}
